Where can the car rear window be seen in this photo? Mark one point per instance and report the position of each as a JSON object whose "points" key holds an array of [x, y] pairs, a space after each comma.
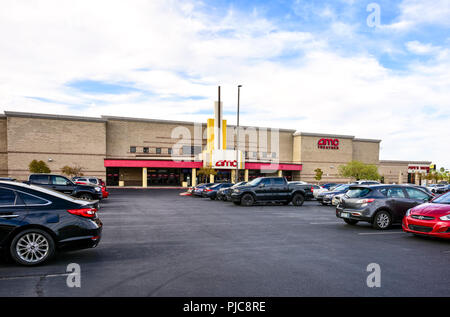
{"points": [[358, 192], [39, 179], [444, 199], [33, 200], [7, 197]]}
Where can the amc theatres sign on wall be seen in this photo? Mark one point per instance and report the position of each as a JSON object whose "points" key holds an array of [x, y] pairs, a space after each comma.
{"points": [[329, 144], [226, 163]]}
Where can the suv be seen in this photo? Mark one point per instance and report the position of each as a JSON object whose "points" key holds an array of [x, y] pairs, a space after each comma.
{"points": [[380, 205], [89, 179], [274, 189], [366, 182], [66, 186]]}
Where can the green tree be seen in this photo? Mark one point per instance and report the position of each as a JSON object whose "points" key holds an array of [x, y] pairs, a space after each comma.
{"points": [[72, 171], [205, 172], [359, 170], [318, 175], [36, 166]]}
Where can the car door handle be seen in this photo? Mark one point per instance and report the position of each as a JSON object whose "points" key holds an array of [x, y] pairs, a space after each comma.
{"points": [[9, 216]]}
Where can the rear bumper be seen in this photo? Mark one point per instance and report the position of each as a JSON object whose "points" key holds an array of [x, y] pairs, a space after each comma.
{"points": [[433, 228], [354, 214], [90, 233]]}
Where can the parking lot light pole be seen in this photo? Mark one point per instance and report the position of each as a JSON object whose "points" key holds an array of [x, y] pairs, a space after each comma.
{"points": [[237, 137]]}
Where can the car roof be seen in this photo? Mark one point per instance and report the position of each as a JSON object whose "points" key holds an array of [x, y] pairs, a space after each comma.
{"points": [[43, 190]]}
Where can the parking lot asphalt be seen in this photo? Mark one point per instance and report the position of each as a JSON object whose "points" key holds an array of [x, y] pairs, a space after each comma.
{"points": [[157, 243]]}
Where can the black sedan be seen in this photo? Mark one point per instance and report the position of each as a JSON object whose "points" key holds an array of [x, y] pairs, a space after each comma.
{"points": [[225, 193], [211, 191], [35, 222]]}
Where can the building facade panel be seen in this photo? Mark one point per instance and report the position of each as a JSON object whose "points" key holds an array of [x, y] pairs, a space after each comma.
{"points": [[135, 152], [56, 141], [3, 147]]}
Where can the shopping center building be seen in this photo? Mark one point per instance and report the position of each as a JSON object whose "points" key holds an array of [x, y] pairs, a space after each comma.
{"points": [[147, 152]]}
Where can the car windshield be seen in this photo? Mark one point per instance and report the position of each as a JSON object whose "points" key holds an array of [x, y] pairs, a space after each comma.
{"points": [[340, 187], [255, 181], [443, 199]]}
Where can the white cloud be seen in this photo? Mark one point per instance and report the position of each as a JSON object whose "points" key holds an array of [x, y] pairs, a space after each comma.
{"points": [[419, 12], [179, 51], [422, 49]]}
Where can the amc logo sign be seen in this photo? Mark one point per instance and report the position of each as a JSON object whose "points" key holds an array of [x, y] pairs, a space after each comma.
{"points": [[224, 163], [331, 144]]}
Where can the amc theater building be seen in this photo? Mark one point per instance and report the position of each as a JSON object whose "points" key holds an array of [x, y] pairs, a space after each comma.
{"points": [[146, 152]]}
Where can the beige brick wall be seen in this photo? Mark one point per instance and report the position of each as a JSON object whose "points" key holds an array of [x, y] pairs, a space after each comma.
{"points": [[305, 150], [3, 148], [367, 152], [123, 134], [391, 171], [66, 142]]}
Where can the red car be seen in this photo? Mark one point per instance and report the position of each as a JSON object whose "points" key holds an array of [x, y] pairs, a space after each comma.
{"points": [[431, 219]]}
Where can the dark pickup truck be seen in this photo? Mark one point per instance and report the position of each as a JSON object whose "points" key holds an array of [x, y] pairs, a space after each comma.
{"points": [[270, 189], [66, 186]]}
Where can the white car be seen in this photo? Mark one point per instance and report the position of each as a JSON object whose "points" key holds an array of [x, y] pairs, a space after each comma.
{"points": [[337, 199], [317, 191]]}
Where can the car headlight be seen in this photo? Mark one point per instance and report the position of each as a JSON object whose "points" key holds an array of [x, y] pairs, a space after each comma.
{"points": [[236, 191], [445, 218], [408, 212], [98, 189]]}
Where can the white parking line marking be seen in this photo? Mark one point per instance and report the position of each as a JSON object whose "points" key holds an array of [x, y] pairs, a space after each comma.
{"points": [[31, 276], [367, 233]]}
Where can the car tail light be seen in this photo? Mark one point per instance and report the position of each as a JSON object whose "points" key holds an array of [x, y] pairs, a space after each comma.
{"points": [[207, 190], [83, 212], [365, 201], [312, 189]]}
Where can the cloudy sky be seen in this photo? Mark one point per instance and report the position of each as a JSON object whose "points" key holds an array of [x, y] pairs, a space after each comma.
{"points": [[314, 66]]}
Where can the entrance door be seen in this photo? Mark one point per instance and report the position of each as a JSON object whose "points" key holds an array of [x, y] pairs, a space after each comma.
{"points": [[112, 176]]}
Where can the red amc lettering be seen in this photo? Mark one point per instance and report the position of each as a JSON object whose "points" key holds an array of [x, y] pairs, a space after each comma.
{"points": [[332, 144], [226, 163]]}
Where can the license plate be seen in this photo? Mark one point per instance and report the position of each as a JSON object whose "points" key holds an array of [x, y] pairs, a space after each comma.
{"points": [[345, 215]]}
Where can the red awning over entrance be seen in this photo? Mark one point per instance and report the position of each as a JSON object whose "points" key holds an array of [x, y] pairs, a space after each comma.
{"points": [[153, 163], [197, 164]]}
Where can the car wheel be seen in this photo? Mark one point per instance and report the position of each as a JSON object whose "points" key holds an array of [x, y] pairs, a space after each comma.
{"points": [[382, 220], [351, 221], [32, 247], [298, 200], [85, 196], [247, 200]]}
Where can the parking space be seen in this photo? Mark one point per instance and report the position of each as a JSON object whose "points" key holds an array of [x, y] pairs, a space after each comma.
{"points": [[158, 243]]}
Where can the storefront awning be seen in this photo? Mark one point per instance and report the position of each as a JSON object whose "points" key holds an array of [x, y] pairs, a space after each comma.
{"points": [[153, 163], [196, 164]]}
